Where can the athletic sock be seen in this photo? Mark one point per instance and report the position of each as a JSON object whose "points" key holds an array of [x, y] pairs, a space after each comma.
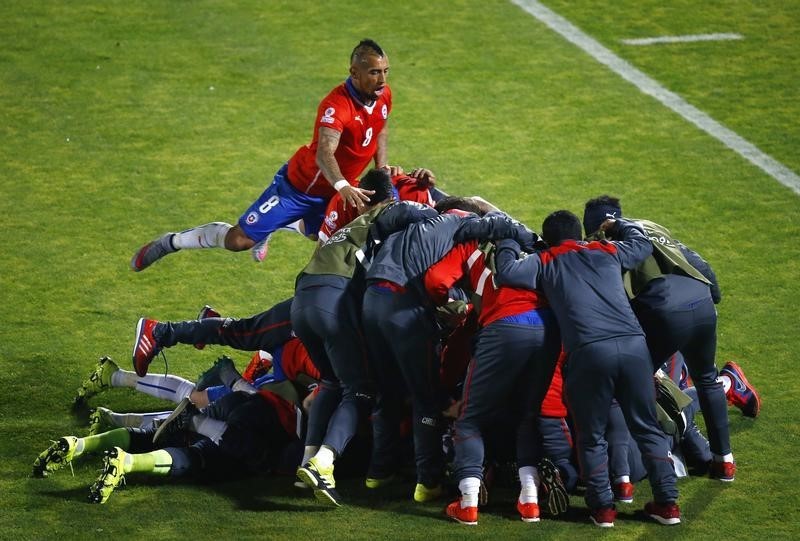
{"points": [[211, 235], [527, 480], [211, 428], [124, 378], [325, 457], [726, 382], [158, 462], [723, 458], [469, 488], [119, 437], [622, 479], [169, 387]]}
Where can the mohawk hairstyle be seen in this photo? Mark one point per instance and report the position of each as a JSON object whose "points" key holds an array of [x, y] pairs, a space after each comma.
{"points": [[365, 46]]}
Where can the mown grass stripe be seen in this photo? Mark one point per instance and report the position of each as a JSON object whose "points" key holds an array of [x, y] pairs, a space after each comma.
{"points": [[651, 87]]}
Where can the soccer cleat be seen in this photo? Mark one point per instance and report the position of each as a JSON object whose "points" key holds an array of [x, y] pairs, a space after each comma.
{"points": [[99, 380], [379, 482], [260, 364], [145, 348], [112, 476], [55, 457], [554, 496], [603, 517], [623, 492], [529, 512], [321, 480], [100, 420], [260, 250], [211, 377], [152, 252], [424, 494], [464, 515], [741, 394], [664, 513], [205, 313], [178, 421], [723, 471]]}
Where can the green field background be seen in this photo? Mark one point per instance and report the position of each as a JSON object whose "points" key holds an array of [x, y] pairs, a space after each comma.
{"points": [[122, 120]]}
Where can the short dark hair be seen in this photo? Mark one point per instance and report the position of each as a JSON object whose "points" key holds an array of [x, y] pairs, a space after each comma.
{"points": [[365, 46], [461, 203], [380, 181], [597, 210], [559, 226]]}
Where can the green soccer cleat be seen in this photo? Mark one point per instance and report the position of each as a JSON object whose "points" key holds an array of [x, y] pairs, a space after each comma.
{"points": [[100, 421], [211, 377], [321, 480], [113, 475], [424, 494], [98, 381], [55, 456]]}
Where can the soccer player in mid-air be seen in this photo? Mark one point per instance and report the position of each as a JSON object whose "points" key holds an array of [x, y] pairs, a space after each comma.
{"points": [[350, 131]]}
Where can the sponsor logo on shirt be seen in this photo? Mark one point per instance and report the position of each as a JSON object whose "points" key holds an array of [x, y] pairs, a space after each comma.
{"points": [[330, 220], [358, 117], [327, 116]]}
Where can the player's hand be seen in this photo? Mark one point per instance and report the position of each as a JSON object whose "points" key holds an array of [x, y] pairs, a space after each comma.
{"points": [[355, 197], [607, 225], [425, 177]]}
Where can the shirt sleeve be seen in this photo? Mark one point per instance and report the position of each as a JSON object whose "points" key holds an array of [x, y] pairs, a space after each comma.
{"points": [[633, 247], [513, 272], [447, 271]]}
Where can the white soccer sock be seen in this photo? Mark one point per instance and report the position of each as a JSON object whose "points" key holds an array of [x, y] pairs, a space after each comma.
{"points": [[124, 378], [723, 458], [213, 429], [325, 457], [469, 488], [622, 479], [726, 382], [169, 387], [242, 385], [527, 480], [210, 235]]}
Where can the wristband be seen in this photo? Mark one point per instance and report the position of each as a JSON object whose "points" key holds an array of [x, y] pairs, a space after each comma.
{"points": [[339, 184]]}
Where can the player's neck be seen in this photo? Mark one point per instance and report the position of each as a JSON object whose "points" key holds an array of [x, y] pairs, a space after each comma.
{"points": [[358, 96]]}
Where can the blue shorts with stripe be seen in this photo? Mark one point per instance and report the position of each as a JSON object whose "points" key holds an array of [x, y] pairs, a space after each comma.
{"points": [[280, 205]]}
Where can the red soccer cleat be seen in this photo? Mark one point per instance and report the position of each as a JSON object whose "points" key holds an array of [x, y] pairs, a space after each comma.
{"points": [[741, 394], [145, 347], [664, 513], [623, 492], [603, 517], [529, 512], [724, 471], [464, 515]]}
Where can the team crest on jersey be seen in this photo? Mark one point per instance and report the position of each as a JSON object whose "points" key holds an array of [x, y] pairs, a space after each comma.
{"points": [[251, 218], [327, 116], [330, 220], [385, 111]]}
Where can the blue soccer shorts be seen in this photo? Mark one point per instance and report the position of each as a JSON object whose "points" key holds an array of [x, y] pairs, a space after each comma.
{"points": [[280, 205]]}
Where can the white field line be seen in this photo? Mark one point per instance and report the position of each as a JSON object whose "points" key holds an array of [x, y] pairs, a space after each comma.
{"points": [[681, 39], [649, 86]]}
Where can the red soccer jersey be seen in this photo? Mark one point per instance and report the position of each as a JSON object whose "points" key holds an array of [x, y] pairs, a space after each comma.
{"points": [[359, 125], [336, 215], [466, 259], [409, 189]]}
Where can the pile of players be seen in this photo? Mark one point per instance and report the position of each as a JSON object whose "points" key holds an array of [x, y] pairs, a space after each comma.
{"points": [[445, 311]]}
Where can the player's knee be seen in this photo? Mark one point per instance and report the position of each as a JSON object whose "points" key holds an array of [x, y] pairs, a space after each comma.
{"points": [[237, 241]]}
